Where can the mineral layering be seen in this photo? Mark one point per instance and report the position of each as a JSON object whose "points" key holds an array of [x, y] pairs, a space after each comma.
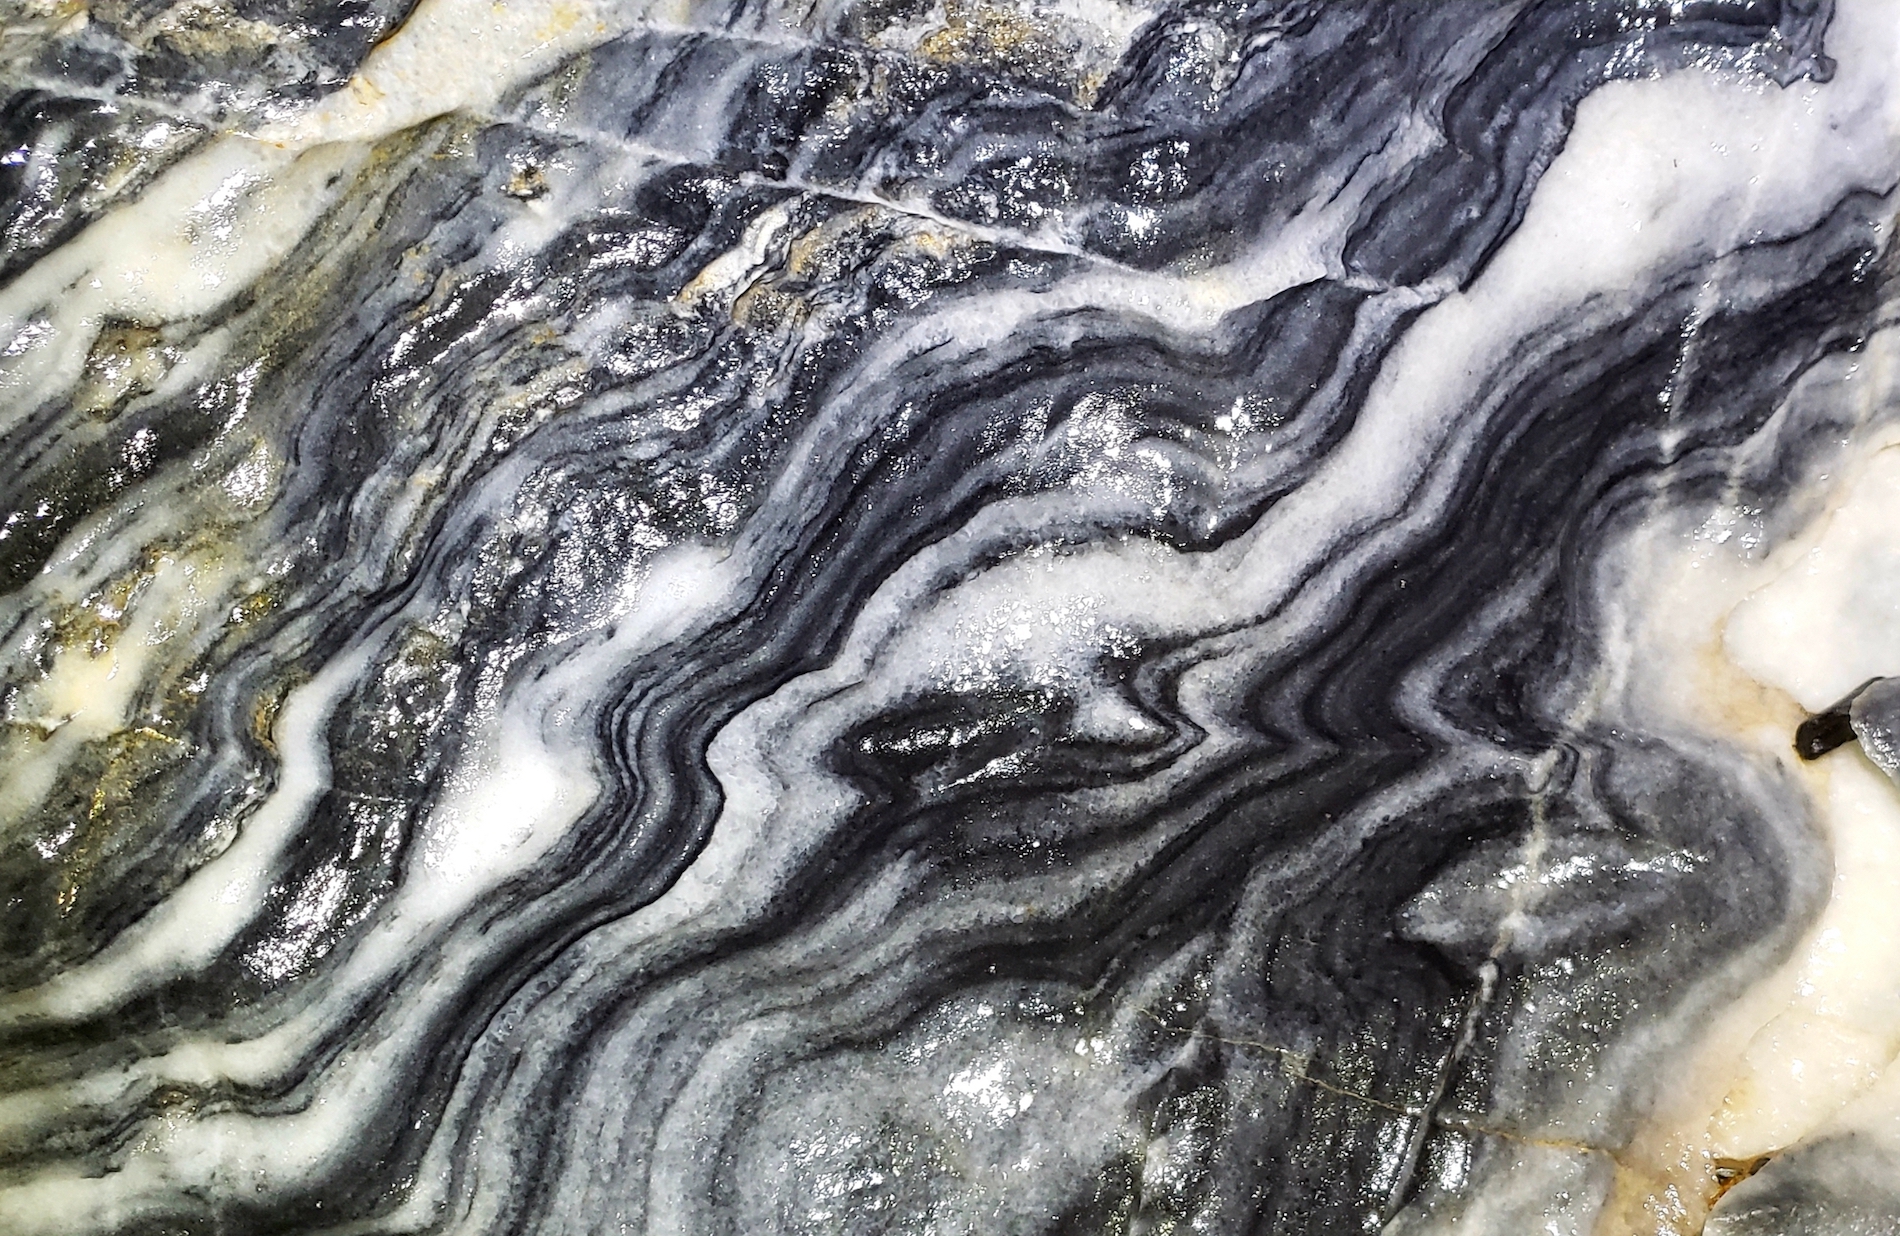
{"points": [[949, 617]]}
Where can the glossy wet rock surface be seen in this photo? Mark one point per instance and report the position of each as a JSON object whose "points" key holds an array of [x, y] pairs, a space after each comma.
{"points": [[947, 618]]}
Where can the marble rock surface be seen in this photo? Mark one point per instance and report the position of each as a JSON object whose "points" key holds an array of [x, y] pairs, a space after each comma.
{"points": [[948, 617]]}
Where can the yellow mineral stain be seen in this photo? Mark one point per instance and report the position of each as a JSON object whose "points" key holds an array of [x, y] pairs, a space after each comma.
{"points": [[982, 34], [108, 656]]}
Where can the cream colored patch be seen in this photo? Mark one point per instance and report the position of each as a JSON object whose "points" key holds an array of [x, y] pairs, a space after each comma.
{"points": [[1824, 624], [1745, 646], [95, 676], [1850, 580]]}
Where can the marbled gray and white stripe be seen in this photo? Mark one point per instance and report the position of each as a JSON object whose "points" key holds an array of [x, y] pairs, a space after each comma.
{"points": [[907, 618]]}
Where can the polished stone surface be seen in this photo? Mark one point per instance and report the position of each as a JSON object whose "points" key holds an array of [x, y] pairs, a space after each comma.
{"points": [[948, 617]]}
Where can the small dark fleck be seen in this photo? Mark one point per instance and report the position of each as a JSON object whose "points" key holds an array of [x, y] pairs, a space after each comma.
{"points": [[1821, 733], [1832, 727]]}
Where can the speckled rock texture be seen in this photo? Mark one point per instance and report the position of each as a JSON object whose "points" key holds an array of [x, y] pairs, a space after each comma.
{"points": [[948, 617]]}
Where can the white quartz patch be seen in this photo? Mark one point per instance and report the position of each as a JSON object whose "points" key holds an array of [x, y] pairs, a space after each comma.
{"points": [[1831, 621], [1827, 622], [1741, 642]]}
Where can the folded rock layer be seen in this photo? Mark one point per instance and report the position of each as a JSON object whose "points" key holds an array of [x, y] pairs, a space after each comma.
{"points": [[932, 616]]}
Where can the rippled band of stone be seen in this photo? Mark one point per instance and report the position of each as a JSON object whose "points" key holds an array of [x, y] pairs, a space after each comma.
{"points": [[653, 434]]}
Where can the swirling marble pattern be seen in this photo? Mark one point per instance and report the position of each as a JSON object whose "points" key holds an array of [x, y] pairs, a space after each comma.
{"points": [[946, 616]]}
